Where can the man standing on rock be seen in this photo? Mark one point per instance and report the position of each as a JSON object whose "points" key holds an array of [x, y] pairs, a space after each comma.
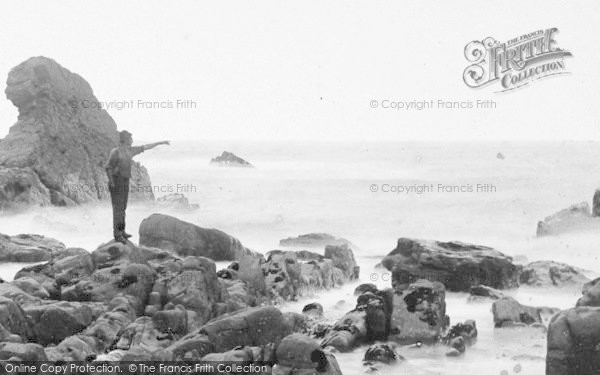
{"points": [[118, 169]]}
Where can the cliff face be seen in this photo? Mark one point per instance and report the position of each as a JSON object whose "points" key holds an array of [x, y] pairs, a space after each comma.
{"points": [[60, 140]]}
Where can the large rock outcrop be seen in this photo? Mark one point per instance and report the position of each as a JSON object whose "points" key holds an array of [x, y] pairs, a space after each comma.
{"points": [[56, 151], [170, 233], [457, 265]]}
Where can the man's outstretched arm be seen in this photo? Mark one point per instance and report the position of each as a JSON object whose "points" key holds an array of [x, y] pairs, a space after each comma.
{"points": [[152, 145]]}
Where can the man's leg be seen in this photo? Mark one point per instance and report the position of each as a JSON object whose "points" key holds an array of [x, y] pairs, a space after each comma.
{"points": [[119, 207], [125, 199]]}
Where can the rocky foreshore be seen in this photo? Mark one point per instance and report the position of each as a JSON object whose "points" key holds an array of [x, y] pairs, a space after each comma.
{"points": [[166, 300]]}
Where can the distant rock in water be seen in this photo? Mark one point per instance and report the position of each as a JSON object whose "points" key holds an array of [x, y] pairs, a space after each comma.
{"points": [[500, 156], [229, 159], [55, 153], [576, 218], [316, 240], [457, 265], [176, 201]]}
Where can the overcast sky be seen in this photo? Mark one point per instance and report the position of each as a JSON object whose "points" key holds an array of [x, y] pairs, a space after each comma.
{"points": [[280, 70]]}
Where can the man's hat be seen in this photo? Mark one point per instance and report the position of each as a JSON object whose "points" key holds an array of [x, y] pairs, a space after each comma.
{"points": [[124, 134]]}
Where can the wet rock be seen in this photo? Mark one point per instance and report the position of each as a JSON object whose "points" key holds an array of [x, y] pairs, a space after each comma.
{"points": [[382, 353], [62, 141], [300, 352], [72, 348], [167, 232], [419, 313], [481, 291], [467, 331], [255, 326], [343, 258], [28, 248], [507, 311], [121, 311], [457, 265], [32, 287], [14, 319], [574, 342], [229, 159], [192, 283], [56, 321], [66, 269], [176, 201], [283, 273], [591, 294], [552, 274], [368, 322], [596, 203], [143, 337], [24, 352], [316, 241], [314, 310], [363, 288], [246, 355], [458, 347], [576, 218], [174, 322], [5, 335]]}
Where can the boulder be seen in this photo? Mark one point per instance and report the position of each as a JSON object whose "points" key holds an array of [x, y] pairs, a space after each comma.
{"points": [[342, 257], [61, 136], [457, 265], [65, 268], [25, 352], [574, 342], [458, 347], [244, 355], [28, 248], [576, 218], [467, 331], [192, 283], [73, 348], [31, 286], [368, 322], [552, 274], [298, 352], [121, 311], [382, 353], [14, 319], [167, 232], [314, 310], [54, 322], [142, 337], [481, 291], [596, 203], [251, 327], [316, 241], [229, 159], [363, 288], [507, 311], [419, 313], [591, 294], [257, 326]]}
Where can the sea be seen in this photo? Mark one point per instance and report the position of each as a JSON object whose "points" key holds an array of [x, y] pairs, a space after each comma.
{"points": [[486, 193]]}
